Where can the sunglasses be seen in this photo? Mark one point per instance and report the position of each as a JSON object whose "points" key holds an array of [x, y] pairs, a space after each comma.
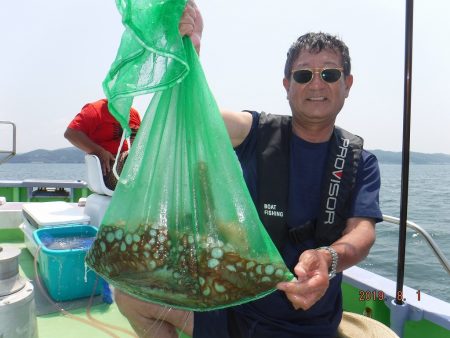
{"points": [[328, 75]]}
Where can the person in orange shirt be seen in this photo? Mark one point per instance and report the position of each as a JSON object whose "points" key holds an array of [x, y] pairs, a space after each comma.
{"points": [[95, 131]]}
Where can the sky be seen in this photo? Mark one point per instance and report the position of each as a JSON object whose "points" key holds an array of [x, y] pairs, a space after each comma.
{"points": [[55, 54]]}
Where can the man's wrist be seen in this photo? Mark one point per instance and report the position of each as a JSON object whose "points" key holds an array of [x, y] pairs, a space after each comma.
{"points": [[334, 258]]}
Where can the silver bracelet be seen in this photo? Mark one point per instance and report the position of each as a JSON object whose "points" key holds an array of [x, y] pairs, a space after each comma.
{"points": [[334, 260]]}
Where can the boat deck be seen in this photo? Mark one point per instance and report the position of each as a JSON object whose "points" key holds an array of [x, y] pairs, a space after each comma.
{"points": [[51, 323]]}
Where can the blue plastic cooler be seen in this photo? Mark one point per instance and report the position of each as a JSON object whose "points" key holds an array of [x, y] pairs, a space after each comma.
{"points": [[61, 261]]}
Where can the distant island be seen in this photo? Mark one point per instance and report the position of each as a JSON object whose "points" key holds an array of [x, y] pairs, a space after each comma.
{"points": [[63, 155], [74, 155], [392, 157]]}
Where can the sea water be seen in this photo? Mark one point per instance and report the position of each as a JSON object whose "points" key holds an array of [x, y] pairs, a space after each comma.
{"points": [[428, 206], [53, 171]]}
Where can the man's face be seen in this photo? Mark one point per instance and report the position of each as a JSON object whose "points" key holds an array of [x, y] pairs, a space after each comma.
{"points": [[317, 102]]}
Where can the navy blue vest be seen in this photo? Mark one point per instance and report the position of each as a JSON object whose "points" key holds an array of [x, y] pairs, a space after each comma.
{"points": [[273, 144]]}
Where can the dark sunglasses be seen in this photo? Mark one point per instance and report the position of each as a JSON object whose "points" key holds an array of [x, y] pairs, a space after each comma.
{"points": [[328, 75]]}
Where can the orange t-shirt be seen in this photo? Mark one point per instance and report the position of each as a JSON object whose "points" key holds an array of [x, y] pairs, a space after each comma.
{"points": [[101, 127]]}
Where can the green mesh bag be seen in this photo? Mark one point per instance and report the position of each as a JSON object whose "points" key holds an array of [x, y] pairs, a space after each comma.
{"points": [[181, 229]]}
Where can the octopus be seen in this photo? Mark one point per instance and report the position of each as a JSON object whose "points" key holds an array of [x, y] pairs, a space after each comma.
{"points": [[184, 271]]}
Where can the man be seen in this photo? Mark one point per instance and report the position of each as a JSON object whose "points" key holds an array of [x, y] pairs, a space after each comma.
{"points": [[318, 188], [95, 131]]}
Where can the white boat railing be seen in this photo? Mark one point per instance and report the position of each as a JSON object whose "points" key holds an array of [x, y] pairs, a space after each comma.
{"points": [[433, 245], [12, 152]]}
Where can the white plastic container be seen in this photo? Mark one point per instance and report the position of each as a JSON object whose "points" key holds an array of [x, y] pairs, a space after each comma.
{"points": [[49, 214], [44, 214]]}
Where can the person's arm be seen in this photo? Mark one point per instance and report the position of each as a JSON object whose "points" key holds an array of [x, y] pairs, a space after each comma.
{"points": [[358, 237], [83, 142], [312, 268], [238, 125]]}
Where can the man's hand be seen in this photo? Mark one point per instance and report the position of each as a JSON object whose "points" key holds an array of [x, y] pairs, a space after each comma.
{"points": [[105, 158], [312, 267], [191, 24], [311, 283]]}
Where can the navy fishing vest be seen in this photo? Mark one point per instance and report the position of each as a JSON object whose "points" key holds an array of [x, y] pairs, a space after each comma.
{"points": [[273, 146]]}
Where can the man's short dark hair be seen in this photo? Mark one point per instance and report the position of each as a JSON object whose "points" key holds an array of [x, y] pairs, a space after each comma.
{"points": [[315, 43]]}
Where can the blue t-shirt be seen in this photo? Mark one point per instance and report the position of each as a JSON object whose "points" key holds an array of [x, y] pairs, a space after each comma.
{"points": [[273, 315]]}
